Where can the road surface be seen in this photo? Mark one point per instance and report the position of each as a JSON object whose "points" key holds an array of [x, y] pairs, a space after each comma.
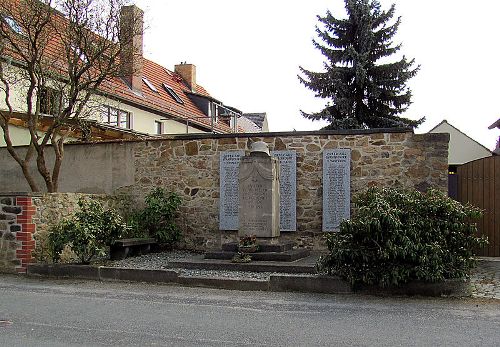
{"points": [[37, 312]]}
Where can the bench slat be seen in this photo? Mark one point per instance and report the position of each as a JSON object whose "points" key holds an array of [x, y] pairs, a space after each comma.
{"points": [[133, 242]]}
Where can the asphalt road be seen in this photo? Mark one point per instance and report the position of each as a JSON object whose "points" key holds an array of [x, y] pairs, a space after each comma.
{"points": [[74, 313]]}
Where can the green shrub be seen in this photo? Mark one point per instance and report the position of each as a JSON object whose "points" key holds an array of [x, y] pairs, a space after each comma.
{"points": [[398, 236], [157, 218], [88, 232]]}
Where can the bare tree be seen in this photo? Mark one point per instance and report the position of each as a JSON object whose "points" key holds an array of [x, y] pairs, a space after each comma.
{"points": [[56, 55]]}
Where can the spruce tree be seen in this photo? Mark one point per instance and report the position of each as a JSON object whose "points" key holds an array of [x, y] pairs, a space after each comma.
{"points": [[364, 88]]}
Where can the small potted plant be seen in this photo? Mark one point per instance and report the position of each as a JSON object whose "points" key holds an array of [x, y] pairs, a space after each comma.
{"points": [[248, 244], [241, 258]]}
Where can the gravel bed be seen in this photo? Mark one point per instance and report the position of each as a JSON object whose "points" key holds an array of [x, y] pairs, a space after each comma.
{"points": [[159, 261], [242, 275], [152, 261]]}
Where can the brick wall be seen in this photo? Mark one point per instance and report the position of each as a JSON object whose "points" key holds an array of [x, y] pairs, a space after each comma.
{"points": [[25, 220], [16, 232]]}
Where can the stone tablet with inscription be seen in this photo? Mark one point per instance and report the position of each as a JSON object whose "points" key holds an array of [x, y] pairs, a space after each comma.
{"points": [[288, 189], [228, 202], [259, 212], [336, 187]]}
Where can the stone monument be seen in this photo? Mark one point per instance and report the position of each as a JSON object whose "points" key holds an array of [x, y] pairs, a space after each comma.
{"points": [[336, 187], [288, 189], [228, 203], [259, 210]]}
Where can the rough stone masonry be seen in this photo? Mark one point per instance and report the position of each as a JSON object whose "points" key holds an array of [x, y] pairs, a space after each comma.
{"points": [[189, 165]]}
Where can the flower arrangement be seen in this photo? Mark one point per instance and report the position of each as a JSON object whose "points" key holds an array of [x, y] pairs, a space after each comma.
{"points": [[241, 258], [248, 244]]}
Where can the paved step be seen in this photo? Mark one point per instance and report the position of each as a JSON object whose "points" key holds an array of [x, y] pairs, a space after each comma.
{"points": [[254, 266], [286, 256], [263, 246]]}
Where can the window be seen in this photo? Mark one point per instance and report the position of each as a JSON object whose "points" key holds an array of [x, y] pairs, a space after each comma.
{"points": [[79, 53], [172, 93], [116, 117], [13, 24], [158, 127], [50, 100], [149, 84], [214, 113]]}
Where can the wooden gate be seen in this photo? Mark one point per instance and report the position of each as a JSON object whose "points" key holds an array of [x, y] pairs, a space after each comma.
{"points": [[479, 184]]}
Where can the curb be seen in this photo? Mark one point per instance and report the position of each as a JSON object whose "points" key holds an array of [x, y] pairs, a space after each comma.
{"points": [[309, 283], [225, 283], [137, 275], [305, 283], [87, 272], [451, 287]]}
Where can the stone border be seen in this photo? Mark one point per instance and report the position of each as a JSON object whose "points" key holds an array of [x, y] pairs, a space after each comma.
{"points": [[305, 283]]}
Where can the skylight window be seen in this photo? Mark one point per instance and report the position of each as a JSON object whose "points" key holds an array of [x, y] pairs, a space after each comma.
{"points": [[172, 93], [149, 84], [13, 24]]}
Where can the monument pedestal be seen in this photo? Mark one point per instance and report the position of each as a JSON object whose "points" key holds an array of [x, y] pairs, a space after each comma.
{"points": [[268, 251], [259, 209], [258, 179]]}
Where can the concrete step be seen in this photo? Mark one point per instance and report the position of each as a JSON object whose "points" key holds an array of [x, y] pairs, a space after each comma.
{"points": [[263, 246], [286, 256], [254, 266]]}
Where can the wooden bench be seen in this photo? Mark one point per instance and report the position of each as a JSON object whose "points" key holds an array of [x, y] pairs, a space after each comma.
{"points": [[124, 248]]}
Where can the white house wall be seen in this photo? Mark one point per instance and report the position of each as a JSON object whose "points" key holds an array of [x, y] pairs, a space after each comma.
{"points": [[144, 121], [21, 136], [462, 149], [19, 88], [141, 120], [18, 136]]}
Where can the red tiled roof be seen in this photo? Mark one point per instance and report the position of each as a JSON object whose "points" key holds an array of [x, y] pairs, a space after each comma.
{"points": [[160, 101]]}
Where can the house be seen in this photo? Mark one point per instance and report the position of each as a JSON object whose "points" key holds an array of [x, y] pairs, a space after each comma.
{"points": [[147, 99], [92, 131], [257, 121], [462, 148], [493, 126]]}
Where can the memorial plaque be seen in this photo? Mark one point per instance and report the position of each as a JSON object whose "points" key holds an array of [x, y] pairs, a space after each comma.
{"points": [[228, 202], [336, 187], [288, 189], [259, 196]]}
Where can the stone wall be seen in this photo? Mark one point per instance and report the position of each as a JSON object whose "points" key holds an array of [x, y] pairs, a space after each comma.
{"points": [[87, 168], [189, 165], [25, 220]]}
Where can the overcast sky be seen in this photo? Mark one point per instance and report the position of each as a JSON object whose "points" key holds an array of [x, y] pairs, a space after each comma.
{"points": [[248, 53]]}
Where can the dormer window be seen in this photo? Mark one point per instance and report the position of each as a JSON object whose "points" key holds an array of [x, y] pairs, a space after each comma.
{"points": [[149, 84], [13, 25], [172, 93]]}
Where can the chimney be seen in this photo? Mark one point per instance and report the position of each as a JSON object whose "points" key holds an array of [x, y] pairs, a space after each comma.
{"points": [[188, 74], [131, 28]]}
